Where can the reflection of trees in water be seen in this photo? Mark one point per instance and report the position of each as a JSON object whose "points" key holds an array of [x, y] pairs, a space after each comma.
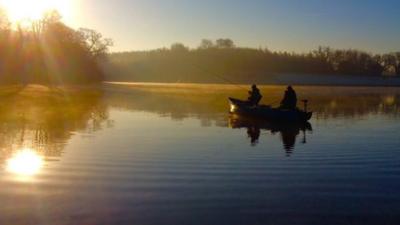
{"points": [[357, 106], [45, 121], [177, 105], [210, 105]]}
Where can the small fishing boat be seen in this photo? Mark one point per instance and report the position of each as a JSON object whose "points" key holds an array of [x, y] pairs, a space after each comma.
{"points": [[269, 113]]}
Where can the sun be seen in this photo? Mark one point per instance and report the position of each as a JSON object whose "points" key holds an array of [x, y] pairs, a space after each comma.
{"points": [[20, 10]]}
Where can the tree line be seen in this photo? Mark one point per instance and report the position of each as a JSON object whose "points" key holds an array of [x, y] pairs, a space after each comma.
{"points": [[46, 51], [180, 63]]}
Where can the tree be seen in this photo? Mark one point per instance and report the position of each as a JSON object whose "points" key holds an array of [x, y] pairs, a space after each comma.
{"points": [[179, 47], [206, 44], [49, 18], [4, 21], [49, 52], [94, 42], [391, 62], [388, 61], [397, 56], [225, 43]]}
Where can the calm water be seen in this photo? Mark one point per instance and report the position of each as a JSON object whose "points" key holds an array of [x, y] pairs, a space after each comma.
{"points": [[172, 155]]}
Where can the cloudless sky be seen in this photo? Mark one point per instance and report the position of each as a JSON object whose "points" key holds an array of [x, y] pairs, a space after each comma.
{"points": [[284, 25]]}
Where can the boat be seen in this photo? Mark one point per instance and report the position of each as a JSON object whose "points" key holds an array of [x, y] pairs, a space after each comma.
{"points": [[268, 113], [237, 121]]}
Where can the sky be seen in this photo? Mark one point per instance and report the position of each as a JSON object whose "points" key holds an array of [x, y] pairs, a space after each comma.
{"points": [[279, 25]]}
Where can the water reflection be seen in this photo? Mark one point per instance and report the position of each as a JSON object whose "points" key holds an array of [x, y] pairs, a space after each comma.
{"points": [[30, 117], [36, 122], [25, 163], [141, 167], [209, 102], [255, 127]]}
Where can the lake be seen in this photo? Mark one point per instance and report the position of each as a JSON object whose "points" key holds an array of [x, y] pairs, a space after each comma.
{"points": [[172, 154]]}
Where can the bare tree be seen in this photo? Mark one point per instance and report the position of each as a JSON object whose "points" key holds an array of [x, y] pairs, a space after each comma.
{"points": [[49, 18], [94, 41]]}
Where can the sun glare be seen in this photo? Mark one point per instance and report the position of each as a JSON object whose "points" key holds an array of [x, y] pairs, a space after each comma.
{"points": [[19, 10], [25, 163]]}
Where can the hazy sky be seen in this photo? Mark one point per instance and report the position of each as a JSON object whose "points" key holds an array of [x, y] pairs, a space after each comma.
{"points": [[292, 25]]}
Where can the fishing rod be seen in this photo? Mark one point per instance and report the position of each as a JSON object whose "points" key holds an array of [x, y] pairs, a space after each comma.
{"points": [[208, 72]]}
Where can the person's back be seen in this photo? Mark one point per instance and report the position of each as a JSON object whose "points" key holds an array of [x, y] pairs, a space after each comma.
{"points": [[255, 96], [292, 103], [290, 99]]}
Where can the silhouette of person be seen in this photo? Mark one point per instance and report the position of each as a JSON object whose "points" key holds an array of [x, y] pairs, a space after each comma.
{"points": [[254, 135], [290, 99], [289, 140], [255, 95]]}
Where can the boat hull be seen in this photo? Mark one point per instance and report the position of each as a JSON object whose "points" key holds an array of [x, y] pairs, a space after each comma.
{"points": [[267, 112]]}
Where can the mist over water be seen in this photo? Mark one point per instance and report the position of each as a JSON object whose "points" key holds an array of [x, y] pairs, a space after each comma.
{"points": [[166, 154]]}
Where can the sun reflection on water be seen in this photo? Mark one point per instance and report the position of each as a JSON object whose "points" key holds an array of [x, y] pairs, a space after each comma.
{"points": [[25, 163]]}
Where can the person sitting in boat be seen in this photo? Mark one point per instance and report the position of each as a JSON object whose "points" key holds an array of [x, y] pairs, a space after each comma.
{"points": [[290, 99], [255, 95]]}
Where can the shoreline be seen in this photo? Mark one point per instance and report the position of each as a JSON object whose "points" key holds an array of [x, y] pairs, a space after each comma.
{"points": [[282, 80], [232, 86]]}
